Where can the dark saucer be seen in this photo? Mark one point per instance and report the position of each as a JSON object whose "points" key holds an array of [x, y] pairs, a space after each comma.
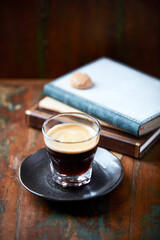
{"points": [[35, 176]]}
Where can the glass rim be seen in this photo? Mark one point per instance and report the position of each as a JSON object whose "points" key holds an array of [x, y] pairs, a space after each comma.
{"points": [[71, 113]]}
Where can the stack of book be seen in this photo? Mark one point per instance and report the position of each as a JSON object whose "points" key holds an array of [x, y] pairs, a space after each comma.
{"points": [[126, 102]]}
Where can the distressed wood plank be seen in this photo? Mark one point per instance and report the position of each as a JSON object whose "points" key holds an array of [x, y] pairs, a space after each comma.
{"points": [[13, 147], [146, 196], [131, 211]]}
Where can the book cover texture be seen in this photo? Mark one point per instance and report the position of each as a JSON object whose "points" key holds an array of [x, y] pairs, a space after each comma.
{"points": [[121, 96]]}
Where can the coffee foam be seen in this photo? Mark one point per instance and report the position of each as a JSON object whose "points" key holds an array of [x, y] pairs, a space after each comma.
{"points": [[71, 138]]}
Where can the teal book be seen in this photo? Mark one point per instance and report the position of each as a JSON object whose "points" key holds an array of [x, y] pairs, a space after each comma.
{"points": [[121, 96]]}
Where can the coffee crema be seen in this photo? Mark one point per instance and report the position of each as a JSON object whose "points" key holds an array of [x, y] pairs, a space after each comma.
{"points": [[71, 138]]}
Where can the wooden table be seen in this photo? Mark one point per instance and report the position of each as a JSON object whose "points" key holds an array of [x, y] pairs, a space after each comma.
{"points": [[131, 211]]}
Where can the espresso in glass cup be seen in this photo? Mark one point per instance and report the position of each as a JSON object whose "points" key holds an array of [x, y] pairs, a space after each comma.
{"points": [[71, 141]]}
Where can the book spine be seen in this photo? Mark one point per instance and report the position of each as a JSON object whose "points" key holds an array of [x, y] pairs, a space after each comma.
{"points": [[93, 109], [35, 120]]}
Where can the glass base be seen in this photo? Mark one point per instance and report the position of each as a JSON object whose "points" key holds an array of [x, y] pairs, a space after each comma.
{"points": [[71, 181]]}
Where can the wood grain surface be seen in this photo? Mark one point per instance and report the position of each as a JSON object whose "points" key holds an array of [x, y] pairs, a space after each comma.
{"points": [[131, 211], [49, 38]]}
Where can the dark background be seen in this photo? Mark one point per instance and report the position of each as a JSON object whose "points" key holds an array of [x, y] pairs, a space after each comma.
{"points": [[45, 39]]}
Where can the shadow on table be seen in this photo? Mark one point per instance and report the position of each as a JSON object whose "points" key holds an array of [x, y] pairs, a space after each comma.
{"points": [[86, 208]]}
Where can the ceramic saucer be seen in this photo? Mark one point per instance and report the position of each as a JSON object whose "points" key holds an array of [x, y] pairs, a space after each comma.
{"points": [[35, 176]]}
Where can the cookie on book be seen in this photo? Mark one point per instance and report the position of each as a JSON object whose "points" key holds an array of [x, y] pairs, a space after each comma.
{"points": [[80, 81]]}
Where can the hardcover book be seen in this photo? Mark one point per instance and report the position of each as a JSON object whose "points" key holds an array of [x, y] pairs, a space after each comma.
{"points": [[121, 96], [111, 138]]}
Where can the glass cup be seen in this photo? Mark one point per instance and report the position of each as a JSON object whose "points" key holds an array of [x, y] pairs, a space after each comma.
{"points": [[71, 141]]}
